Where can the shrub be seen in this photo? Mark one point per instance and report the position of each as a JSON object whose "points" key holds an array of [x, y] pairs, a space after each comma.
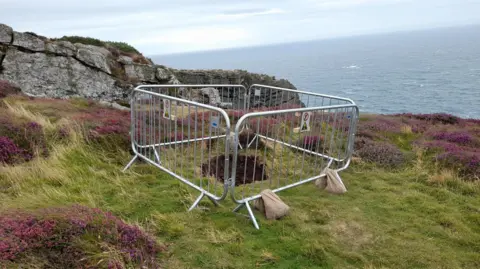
{"points": [[173, 137], [106, 126], [83, 40], [29, 137], [312, 143], [461, 137], [35, 136], [116, 48], [6, 89], [467, 162], [201, 117], [439, 145], [63, 133], [140, 59], [380, 125], [65, 237], [360, 142], [418, 126], [182, 123], [442, 118], [381, 153], [9, 152], [235, 114], [122, 46], [264, 126], [278, 107]]}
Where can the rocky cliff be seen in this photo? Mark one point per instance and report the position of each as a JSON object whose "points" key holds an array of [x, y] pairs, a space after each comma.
{"points": [[60, 69]]}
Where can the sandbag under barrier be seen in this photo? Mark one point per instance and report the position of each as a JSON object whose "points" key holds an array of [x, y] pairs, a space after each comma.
{"points": [[331, 182]]}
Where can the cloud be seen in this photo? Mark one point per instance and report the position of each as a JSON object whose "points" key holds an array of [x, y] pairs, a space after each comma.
{"points": [[349, 4], [158, 26], [199, 38], [240, 14]]}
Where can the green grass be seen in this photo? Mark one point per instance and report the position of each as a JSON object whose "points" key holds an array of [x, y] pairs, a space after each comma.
{"points": [[385, 220], [122, 46], [407, 218]]}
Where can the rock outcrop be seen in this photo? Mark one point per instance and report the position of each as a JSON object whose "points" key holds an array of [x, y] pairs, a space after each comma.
{"points": [[56, 68], [228, 77]]}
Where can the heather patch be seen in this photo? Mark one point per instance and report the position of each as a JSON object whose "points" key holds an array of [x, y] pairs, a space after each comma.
{"points": [[381, 153], [63, 238]]}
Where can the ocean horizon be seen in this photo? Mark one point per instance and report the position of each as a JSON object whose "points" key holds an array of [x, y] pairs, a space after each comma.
{"points": [[426, 71]]}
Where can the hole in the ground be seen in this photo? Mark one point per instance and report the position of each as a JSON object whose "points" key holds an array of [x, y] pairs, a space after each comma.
{"points": [[247, 137], [255, 169]]}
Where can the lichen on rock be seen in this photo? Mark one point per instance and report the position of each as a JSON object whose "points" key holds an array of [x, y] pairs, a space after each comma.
{"points": [[28, 41], [59, 69], [6, 34]]}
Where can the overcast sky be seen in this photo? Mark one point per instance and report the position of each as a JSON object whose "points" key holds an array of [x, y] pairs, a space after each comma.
{"points": [[162, 27]]}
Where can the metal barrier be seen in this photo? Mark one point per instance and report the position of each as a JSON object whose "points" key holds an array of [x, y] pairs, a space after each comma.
{"points": [[183, 137], [282, 138]]}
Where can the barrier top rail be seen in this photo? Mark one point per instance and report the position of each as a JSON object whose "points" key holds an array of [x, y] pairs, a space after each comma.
{"points": [[187, 86], [192, 103], [304, 92]]}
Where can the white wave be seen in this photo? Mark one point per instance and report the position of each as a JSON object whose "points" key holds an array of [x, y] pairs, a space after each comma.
{"points": [[351, 67]]}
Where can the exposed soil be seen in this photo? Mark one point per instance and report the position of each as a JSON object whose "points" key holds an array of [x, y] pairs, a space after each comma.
{"points": [[246, 137], [253, 172]]}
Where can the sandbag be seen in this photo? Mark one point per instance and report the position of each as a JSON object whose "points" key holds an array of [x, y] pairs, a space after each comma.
{"points": [[331, 182], [271, 205]]}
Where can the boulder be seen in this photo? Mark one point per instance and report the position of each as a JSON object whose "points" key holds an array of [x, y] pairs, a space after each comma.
{"points": [[173, 80], [140, 72], [114, 105], [162, 74], [267, 98], [125, 59], [272, 98], [28, 41], [209, 96], [46, 75], [63, 48], [94, 56], [228, 77], [6, 34]]}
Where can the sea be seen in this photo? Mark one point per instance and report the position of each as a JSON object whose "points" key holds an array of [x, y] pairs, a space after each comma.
{"points": [[428, 71]]}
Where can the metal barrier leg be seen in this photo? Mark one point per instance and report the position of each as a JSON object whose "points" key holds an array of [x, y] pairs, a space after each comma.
{"points": [[252, 217], [213, 201], [157, 157], [250, 213], [196, 201], [240, 206], [130, 163], [251, 142], [200, 197]]}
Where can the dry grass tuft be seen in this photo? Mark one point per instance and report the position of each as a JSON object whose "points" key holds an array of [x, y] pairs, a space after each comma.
{"points": [[219, 237], [351, 234], [267, 258], [406, 129], [21, 112], [442, 176]]}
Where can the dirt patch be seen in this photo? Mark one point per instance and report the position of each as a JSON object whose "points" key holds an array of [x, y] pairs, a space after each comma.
{"points": [[246, 137], [255, 169], [350, 233]]}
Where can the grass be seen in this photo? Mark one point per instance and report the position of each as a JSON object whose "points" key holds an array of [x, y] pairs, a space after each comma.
{"points": [[116, 49], [122, 46], [416, 216]]}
